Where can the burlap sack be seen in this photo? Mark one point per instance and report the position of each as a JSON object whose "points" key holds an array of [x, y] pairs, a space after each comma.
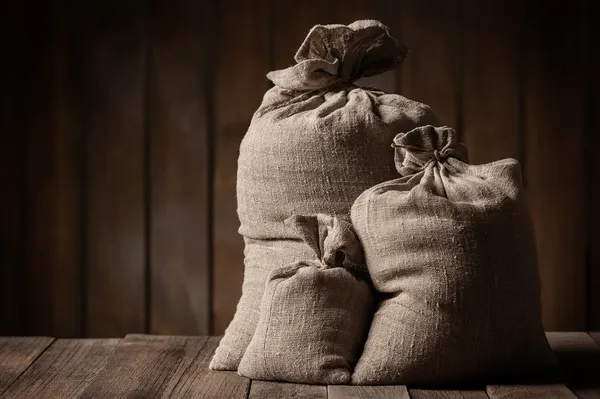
{"points": [[450, 248], [316, 142], [315, 313]]}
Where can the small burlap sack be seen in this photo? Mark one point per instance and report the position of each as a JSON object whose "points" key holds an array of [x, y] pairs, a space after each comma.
{"points": [[316, 142], [449, 246], [315, 313]]}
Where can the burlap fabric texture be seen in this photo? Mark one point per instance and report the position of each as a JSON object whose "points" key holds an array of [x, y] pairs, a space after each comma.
{"points": [[315, 313], [315, 143], [450, 248]]}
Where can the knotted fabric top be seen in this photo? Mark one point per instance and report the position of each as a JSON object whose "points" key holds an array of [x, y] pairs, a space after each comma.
{"points": [[333, 54], [333, 240], [426, 144]]}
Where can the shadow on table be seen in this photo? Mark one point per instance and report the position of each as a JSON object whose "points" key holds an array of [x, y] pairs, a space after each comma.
{"points": [[580, 369]]}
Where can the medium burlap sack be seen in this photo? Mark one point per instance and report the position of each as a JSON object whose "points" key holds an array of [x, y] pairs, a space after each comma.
{"points": [[316, 142], [315, 313], [449, 246]]}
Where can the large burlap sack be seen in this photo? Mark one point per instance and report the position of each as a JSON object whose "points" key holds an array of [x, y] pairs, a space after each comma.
{"points": [[315, 313], [316, 142], [450, 248]]}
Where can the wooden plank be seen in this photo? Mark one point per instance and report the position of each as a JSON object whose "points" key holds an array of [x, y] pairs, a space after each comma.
{"points": [[555, 391], [113, 58], [447, 394], [53, 182], [431, 71], [145, 366], [595, 336], [10, 229], [384, 11], [180, 169], [64, 370], [16, 42], [10, 232], [16, 354], [200, 382], [554, 131], [579, 356], [592, 167], [491, 80], [572, 341], [283, 390], [243, 40], [38, 180], [367, 392]]}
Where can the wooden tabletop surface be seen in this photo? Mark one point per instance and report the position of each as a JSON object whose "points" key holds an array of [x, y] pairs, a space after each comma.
{"points": [[149, 366]]}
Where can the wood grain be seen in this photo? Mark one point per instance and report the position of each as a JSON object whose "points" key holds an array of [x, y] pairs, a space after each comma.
{"points": [[447, 394], [282, 390], [491, 69], [176, 366], [554, 159], [64, 369], [106, 157], [114, 52], [367, 392], [555, 391], [54, 189], [180, 169], [200, 382], [579, 357], [243, 39], [145, 366], [16, 354], [431, 71]]}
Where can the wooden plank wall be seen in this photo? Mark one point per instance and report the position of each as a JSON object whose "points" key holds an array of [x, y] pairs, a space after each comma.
{"points": [[121, 121]]}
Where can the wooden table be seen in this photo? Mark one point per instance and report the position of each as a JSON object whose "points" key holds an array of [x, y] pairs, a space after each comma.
{"points": [[147, 366]]}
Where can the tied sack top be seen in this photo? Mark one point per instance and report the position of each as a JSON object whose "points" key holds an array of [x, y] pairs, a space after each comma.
{"points": [[317, 140], [315, 143], [429, 145], [425, 147], [315, 313], [332, 240], [450, 245], [334, 54]]}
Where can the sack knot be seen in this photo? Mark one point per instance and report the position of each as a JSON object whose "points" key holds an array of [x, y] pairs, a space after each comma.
{"points": [[441, 155], [334, 54], [333, 240], [423, 145]]}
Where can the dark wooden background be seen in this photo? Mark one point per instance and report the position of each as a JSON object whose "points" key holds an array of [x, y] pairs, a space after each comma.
{"points": [[120, 124]]}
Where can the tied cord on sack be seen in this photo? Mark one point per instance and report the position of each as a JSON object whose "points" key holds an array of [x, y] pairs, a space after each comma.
{"points": [[415, 150], [333, 240], [339, 54]]}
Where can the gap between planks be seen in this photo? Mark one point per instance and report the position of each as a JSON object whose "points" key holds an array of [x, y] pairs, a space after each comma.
{"points": [[17, 354], [64, 369], [165, 366]]}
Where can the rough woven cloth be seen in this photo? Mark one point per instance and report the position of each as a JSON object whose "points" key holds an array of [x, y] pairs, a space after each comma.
{"points": [[449, 247], [316, 142], [315, 313]]}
